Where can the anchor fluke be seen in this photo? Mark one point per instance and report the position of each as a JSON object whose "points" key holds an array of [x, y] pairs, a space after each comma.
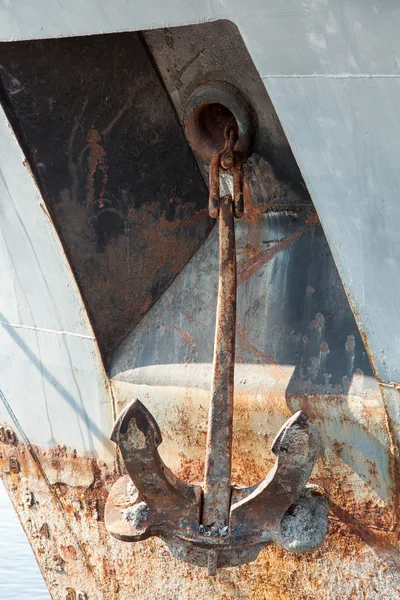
{"points": [[150, 499]]}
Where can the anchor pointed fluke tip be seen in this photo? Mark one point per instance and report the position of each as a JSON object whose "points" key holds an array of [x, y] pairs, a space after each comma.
{"points": [[144, 421], [299, 422]]}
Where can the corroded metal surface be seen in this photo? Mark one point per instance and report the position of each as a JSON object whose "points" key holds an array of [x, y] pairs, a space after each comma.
{"points": [[113, 166], [66, 529], [303, 352], [218, 525], [314, 359], [217, 477], [276, 375], [281, 509], [151, 501], [210, 63], [208, 110]]}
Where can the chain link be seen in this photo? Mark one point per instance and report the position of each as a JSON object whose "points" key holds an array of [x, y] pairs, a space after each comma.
{"points": [[227, 160]]}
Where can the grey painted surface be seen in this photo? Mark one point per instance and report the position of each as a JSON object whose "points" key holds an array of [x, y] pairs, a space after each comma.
{"points": [[284, 37], [290, 302], [331, 69], [52, 380], [349, 154]]}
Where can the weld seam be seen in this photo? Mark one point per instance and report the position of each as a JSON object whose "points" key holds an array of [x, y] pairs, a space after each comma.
{"points": [[56, 331], [333, 76]]}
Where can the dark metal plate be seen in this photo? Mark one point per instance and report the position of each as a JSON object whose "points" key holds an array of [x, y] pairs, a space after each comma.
{"points": [[114, 168]]}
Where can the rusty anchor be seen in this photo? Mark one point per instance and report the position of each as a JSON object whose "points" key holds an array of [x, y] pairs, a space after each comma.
{"points": [[217, 524]]}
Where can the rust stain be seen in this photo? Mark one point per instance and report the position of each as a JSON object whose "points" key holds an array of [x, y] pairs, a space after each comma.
{"points": [[130, 262], [188, 340], [246, 346], [318, 322], [248, 267], [313, 219], [140, 83], [44, 531], [188, 317], [252, 211], [390, 422], [97, 163], [68, 553], [361, 546], [149, 235], [361, 538], [253, 214]]}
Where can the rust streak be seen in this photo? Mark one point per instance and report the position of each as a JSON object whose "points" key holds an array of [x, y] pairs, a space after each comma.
{"points": [[248, 347], [249, 266], [71, 164], [97, 161], [188, 340]]}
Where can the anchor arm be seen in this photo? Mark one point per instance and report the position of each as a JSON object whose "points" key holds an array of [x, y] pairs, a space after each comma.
{"points": [[138, 436], [150, 500], [297, 446]]}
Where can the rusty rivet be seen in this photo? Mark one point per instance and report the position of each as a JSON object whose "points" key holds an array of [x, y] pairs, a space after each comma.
{"points": [[7, 435], [227, 160], [29, 499], [58, 561], [44, 531], [10, 435], [75, 595], [14, 465]]}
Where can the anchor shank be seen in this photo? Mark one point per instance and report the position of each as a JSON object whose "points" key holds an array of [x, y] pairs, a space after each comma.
{"points": [[217, 484]]}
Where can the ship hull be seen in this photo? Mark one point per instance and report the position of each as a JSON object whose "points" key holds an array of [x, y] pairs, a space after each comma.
{"points": [[318, 324]]}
